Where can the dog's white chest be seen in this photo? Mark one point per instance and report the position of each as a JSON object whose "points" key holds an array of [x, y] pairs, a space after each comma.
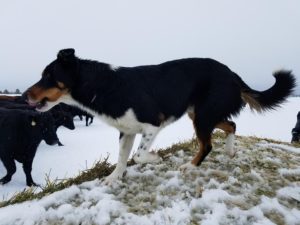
{"points": [[127, 123]]}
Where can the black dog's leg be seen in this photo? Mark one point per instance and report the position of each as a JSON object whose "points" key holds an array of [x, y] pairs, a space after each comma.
{"points": [[27, 167], [92, 119], [10, 166], [86, 120], [59, 143]]}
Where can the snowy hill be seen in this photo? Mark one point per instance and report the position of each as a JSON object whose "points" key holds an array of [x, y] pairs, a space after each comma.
{"points": [[260, 185]]}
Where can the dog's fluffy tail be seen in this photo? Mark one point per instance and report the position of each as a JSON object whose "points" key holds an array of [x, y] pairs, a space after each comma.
{"points": [[271, 98]]}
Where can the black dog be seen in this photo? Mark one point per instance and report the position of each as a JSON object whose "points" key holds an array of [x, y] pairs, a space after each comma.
{"points": [[20, 134], [14, 102], [75, 111], [144, 99], [61, 118], [296, 130]]}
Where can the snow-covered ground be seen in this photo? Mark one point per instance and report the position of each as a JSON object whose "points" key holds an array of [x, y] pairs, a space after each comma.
{"points": [[86, 145], [260, 185]]}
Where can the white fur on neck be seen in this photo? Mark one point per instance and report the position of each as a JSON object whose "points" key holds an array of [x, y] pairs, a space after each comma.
{"points": [[63, 99], [126, 123]]}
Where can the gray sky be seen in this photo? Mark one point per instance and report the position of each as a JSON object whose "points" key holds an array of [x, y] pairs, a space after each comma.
{"points": [[254, 38]]}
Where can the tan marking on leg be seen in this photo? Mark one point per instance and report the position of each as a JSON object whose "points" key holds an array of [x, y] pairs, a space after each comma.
{"points": [[204, 142], [204, 149], [199, 154], [229, 128], [226, 126], [192, 116]]}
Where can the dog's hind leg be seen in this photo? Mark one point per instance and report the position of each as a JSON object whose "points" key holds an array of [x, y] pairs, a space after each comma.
{"points": [[204, 122], [205, 147], [229, 128], [143, 155], [126, 143]]}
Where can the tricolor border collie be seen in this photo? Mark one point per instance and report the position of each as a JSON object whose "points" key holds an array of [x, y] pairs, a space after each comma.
{"points": [[144, 99]]}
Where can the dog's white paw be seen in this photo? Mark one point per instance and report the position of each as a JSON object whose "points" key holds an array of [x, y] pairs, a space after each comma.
{"points": [[146, 157], [185, 168], [231, 152], [112, 178]]}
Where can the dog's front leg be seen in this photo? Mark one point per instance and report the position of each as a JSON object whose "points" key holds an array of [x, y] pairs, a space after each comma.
{"points": [[126, 143], [143, 155]]}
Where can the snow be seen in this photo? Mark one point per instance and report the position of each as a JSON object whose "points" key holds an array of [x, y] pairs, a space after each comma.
{"points": [[292, 192], [276, 125], [285, 171], [279, 147], [174, 196]]}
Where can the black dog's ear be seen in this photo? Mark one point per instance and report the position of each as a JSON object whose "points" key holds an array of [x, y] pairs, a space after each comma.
{"points": [[66, 54]]}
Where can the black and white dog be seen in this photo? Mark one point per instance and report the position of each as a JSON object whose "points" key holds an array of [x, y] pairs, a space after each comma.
{"points": [[144, 99]]}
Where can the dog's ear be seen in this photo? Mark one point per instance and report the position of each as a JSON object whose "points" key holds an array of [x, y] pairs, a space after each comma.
{"points": [[66, 55]]}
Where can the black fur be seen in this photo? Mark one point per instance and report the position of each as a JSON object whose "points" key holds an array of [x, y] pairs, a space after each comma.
{"points": [[296, 131], [273, 97], [169, 88], [159, 92], [75, 111], [20, 134], [61, 118]]}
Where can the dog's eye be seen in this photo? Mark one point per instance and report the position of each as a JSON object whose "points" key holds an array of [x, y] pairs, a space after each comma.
{"points": [[60, 85]]}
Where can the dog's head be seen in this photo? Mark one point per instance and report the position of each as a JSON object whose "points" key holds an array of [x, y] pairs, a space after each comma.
{"points": [[56, 82]]}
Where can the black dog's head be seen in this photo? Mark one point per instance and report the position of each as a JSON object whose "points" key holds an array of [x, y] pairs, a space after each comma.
{"points": [[64, 119], [56, 82]]}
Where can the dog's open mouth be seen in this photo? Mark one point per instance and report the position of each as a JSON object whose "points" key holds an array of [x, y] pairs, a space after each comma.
{"points": [[38, 105]]}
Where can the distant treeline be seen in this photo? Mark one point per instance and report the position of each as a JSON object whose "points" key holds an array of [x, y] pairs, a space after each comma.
{"points": [[17, 91], [5, 91]]}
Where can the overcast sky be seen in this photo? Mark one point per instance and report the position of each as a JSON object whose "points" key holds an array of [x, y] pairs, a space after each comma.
{"points": [[254, 38]]}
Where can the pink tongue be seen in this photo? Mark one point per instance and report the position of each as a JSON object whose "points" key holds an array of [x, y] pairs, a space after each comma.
{"points": [[32, 103]]}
